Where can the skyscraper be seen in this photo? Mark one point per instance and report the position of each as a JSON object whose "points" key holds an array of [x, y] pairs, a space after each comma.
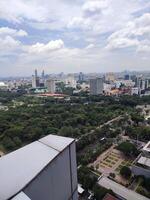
{"points": [[81, 77], [36, 73], [35, 80], [96, 86], [43, 74]]}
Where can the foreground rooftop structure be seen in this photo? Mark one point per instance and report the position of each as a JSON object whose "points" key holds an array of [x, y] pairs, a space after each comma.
{"points": [[42, 170]]}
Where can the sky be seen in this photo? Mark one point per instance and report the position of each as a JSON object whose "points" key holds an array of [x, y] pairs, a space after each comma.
{"points": [[74, 35]]}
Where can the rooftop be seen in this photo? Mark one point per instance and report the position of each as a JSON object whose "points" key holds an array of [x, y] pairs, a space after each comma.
{"points": [[21, 196], [144, 161], [120, 190], [147, 147], [2, 84], [23, 165], [109, 197]]}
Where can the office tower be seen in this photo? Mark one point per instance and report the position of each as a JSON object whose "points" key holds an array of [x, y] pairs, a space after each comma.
{"points": [[36, 73], [43, 74], [146, 83], [96, 86], [35, 80], [81, 77], [43, 170], [50, 85], [143, 84]]}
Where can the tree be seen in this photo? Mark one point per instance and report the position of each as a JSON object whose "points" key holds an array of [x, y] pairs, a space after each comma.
{"points": [[128, 148], [147, 183], [125, 172], [86, 178], [100, 192]]}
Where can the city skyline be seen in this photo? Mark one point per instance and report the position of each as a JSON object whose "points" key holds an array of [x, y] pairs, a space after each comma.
{"points": [[73, 36]]}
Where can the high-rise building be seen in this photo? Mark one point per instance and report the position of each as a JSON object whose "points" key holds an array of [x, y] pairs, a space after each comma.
{"points": [[146, 83], [96, 86], [43, 170], [36, 73], [43, 74], [81, 77], [50, 85], [35, 80]]}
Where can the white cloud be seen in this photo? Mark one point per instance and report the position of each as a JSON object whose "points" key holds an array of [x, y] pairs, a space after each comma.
{"points": [[94, 6], [129, 35], [18, 10], [44, 48], [90, 46], [119, 43], [8, 44], [13, 32]]}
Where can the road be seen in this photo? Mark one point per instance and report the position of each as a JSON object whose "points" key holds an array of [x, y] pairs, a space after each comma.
{"points": [[101, 126]]}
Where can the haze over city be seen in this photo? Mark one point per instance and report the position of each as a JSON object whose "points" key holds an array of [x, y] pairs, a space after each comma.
{"points": [[73, 36]]}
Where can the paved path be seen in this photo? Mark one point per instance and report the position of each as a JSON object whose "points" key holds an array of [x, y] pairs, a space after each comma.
{"points": [[106, 123]]}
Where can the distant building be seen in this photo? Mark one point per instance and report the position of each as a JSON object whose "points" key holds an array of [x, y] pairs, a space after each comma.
{"points": [[36, 73], [70, 81], [96, 86], [110, 77], [81, 77], [38, 90], [141, 165], [50, 85], [134, 91], [43, 74], [146, 83], [35, 80], [43, 170], [127, 77]]}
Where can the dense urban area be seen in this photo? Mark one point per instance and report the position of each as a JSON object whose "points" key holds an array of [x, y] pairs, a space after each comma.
{"points": [[108, 115]]}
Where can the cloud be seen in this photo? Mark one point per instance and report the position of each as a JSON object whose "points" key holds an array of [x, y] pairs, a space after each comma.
{"points": [[8, 45], [90, 46], [44, 48], [93, 7], [119, 43], [133, 34], [89, 30], [18, 10], [13, 32]]}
